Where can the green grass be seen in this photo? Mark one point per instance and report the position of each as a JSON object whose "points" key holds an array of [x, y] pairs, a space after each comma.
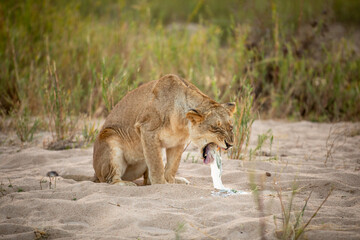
{"points": [[61, 59], [25, 129], [89, 133], [179, 229], [262, 138], [243, 120]]}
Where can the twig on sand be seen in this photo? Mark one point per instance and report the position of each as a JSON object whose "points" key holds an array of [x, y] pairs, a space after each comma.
{"points": [[115, 204], [177, 207], [187, 146], [203, 232]]}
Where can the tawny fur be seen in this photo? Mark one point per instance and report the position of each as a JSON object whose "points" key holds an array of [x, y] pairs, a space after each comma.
{"points": [[161, 114]]}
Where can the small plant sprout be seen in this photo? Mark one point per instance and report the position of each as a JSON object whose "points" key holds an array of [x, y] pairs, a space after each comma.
{"points": [[2, 189], [10, 184], [262, 138], [187, 157], [179, 229]]}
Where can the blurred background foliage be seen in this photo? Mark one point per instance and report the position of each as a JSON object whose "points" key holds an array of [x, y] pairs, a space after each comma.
{"points": [[301, 57]]}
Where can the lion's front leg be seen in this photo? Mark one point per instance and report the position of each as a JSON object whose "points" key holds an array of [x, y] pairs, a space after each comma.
{"points": [[173, 156], [153, 158]]}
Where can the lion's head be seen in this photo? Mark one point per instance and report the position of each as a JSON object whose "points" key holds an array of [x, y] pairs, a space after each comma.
{"points": [[212, 125]]}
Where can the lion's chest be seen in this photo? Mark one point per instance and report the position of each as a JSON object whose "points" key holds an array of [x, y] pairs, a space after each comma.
{"points": [[174, 137]]}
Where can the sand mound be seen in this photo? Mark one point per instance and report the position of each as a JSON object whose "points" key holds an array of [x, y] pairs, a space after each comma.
{"points": [[87, 210]]}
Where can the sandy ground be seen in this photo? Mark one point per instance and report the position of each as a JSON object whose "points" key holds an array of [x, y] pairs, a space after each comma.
{"points": [[87, 210]]}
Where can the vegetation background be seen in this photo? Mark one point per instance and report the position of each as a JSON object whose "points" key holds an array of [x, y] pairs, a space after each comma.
{"points": [[298, 59]]}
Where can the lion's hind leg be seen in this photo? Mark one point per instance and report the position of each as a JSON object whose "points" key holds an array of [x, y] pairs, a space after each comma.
{"points": [[146, 178], [109, 163]]}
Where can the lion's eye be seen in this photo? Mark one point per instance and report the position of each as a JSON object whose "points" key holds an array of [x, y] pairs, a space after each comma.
{"points": [[214, 128]]}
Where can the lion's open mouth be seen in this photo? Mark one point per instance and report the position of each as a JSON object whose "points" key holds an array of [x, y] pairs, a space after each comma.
{"points": [[207, 152]]}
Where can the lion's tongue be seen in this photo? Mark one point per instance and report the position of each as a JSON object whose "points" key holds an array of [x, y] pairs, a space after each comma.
{"points": [[209, 157]]}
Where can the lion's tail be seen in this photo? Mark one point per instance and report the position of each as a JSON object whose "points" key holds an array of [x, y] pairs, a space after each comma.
{"points": [[81, 178]]}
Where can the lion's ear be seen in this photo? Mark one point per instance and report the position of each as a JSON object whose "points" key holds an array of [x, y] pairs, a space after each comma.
{"points": [[195, 116], [231, 106]]}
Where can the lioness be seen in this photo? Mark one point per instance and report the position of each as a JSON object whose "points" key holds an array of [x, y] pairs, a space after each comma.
{"points": [[164, 113]]}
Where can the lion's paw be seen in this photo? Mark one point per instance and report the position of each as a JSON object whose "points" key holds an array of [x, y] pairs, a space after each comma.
{"points": [[123, 183], [181, 180]]}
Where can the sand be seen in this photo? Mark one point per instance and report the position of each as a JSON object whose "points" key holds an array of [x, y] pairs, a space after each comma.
{"points": [[87, 210]]}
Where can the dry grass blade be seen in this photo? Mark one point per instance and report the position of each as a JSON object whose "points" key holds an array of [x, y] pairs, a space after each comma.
{"points": [[335, 139], [299, 217], [293, 228], [283, 212], [259, 200], [302, 229]]}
